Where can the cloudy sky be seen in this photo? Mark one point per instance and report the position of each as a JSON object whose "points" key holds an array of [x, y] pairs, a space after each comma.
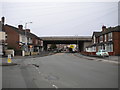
{"points": [[61, 18]]}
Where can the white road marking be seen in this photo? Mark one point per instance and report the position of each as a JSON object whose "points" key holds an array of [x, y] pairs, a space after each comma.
{"points": [[55, 86], [38, 70]]}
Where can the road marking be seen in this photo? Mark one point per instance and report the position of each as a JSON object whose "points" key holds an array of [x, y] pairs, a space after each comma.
{"points": [[55, 86], [38, 70]]}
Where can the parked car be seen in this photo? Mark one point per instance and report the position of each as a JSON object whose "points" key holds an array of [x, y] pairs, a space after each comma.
{"points": [[102, 53]]}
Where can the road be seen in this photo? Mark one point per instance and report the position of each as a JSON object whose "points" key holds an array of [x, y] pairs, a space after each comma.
{"points": [[62, 70]]}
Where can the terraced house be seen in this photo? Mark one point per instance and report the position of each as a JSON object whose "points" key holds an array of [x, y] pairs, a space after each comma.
{"points": [[3, 37], [20, 40], [108, 39]]}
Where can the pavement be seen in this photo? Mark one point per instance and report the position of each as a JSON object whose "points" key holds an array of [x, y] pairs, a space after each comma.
{"points": [[110, 59], [4, 60]]}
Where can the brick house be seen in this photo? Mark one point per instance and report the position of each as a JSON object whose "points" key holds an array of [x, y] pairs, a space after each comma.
{"points": [[22, 40], [108, 39], [3, 37], [37, 43]]}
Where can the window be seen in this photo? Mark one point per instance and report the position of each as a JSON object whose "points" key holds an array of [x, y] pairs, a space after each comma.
{"points": [[89, 49], [101, 38], [93, 49], [111, 47], [22, 39], [30, 40], [102, 47], [99, 48], [110, 36]]}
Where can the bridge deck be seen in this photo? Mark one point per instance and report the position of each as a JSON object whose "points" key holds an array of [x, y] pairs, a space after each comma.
{"points": [[86, 38]]}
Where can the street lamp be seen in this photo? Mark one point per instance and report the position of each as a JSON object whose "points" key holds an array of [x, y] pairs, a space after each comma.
{"points": [[26, 46], [77, 43]]}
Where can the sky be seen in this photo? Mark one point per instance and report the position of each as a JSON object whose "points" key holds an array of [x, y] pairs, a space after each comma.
{"points": [[61, 18]]}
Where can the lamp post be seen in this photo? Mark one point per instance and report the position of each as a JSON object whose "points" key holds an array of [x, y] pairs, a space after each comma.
{"points": [[26, 45], [77, 43]]}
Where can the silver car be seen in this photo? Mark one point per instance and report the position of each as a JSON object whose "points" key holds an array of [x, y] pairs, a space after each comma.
{"points": [[102, 53]]}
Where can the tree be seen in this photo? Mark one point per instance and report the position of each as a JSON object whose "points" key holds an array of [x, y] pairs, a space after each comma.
{"points": [[53, 46]]}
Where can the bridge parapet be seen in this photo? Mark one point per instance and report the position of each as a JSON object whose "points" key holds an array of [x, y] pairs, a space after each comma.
{"points": [[82, 38]]}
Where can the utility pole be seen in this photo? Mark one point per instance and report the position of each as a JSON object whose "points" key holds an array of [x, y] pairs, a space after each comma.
{"points": [[77, 43], [26, 45]]}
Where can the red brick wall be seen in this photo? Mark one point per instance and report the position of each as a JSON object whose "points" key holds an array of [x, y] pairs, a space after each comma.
{"points": [[34, 41], [12, 38], [119, 43], [111, 53], [116, 43]]}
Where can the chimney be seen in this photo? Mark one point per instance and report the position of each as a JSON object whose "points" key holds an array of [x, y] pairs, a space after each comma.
{"points": [[20, 27], [28, 30], [103, 28], [3, 20]]}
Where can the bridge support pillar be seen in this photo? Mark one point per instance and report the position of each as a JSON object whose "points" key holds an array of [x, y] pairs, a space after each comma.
{"points": [[45, 46], [80, 46]]}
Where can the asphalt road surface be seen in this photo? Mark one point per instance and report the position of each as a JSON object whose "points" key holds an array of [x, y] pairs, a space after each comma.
{"points": [[62, 70]]}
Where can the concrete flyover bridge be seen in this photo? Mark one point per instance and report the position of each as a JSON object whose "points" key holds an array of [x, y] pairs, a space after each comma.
{"points": [[81, 41]]}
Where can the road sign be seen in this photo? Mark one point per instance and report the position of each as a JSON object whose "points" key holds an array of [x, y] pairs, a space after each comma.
{"points": [[9, 59], [72, 46]]}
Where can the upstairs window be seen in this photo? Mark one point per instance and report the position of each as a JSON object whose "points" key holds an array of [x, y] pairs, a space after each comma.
{"points": [[93, 49], [110, 36], [101, 38]]}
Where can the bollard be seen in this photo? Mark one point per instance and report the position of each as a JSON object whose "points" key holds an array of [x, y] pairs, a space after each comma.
{"points": [[9, 59]]}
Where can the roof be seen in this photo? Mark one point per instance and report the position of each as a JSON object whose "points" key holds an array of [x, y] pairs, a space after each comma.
{"points": [[22, 32], [96, 34], [107, 30], [110, 29]]}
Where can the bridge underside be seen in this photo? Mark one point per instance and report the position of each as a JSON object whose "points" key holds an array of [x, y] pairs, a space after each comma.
{"points": [[81, 44]]}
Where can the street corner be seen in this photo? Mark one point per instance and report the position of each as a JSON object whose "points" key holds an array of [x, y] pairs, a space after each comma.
{"points": [[8, 64]]}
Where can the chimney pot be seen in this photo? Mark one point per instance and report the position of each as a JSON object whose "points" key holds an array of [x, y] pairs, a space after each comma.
{"points": [[28, 30], [3, 20], [103, 28], [20, 27]]}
